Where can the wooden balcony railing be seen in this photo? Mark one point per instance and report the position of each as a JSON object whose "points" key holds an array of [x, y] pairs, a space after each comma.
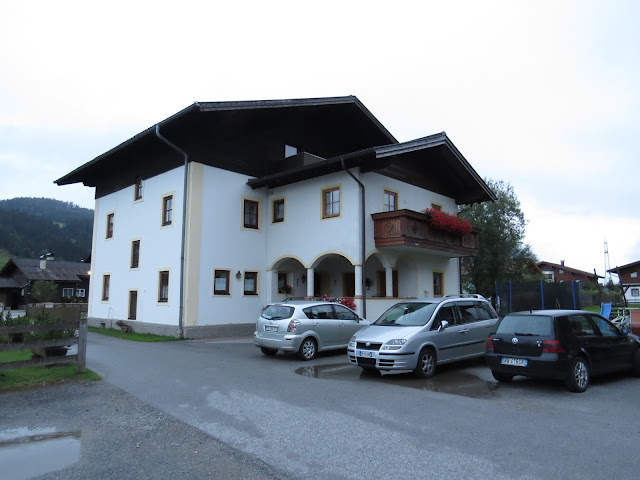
{"points": [[409, 228]]}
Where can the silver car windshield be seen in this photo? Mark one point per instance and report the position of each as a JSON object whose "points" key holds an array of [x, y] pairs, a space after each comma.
{"points": [[277, 312], [407, 315]]}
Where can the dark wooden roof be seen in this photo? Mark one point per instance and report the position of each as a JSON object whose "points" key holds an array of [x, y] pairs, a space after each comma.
{"points": [[568, 269], [432, 162], [248, 137], [624, 267], [244, 137], [57, 271]]}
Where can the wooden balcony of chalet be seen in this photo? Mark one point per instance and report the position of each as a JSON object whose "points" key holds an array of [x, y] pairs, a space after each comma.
{"points": [[406, 228]]}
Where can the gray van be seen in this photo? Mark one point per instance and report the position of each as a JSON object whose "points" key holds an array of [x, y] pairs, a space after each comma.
{"points": [[418, 335]]}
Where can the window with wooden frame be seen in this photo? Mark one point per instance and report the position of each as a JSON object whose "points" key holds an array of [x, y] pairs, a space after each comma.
{"points": [[251, 283], [381, 280], [390, 201], [250, 213], [133, 304], [110, 221], [277, 210], [67, 292], [137, 189], [436, 206], [163, 286], [221, 280], [135, 254], [81, 292], [331, 202], [438, 284], [167, 210], [106, 281]]}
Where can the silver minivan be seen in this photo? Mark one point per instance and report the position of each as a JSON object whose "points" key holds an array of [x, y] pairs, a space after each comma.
{"points": [[306, 327], [418, 335]]}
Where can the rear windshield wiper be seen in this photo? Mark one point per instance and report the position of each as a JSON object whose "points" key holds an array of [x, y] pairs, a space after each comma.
{"points": [[525, 334]]}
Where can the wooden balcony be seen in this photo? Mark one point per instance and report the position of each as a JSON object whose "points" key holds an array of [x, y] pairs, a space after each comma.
{"points": [[406, 228]]}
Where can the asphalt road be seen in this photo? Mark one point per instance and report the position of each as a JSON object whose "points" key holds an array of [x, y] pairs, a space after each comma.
{"points": [[251, 416]]}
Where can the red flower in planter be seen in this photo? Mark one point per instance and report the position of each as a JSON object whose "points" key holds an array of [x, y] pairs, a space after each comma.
{"points": [[446, 222]]}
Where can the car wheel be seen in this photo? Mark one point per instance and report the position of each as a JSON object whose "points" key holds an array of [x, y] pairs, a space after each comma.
{"points": [[578, 379], [635, 363], [426, 366], [269, 351], [308, 349], [502, 377]]}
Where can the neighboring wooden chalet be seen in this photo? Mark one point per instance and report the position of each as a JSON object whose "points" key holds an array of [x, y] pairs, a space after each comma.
{"points": [[209, 215], [629, 280], [19, 274], [561, 273]]}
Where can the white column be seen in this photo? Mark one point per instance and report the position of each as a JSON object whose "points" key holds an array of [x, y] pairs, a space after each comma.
{"points": [[358, 275], [388, 277], [310, 285], [269, 279]]}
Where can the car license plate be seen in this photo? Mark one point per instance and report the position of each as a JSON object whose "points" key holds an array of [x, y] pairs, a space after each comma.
{"points": [[516, 362], [364, 353], [270, 328]]}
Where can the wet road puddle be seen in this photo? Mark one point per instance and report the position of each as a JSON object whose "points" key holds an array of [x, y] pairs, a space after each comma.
{"points": [[19, 447], [454, 382]]}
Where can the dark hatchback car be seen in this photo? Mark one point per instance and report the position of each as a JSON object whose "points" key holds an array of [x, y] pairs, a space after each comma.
{"points": [[569, 345]]}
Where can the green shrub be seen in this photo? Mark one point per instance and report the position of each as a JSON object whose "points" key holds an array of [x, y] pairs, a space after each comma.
{"points": [[44, 318]]}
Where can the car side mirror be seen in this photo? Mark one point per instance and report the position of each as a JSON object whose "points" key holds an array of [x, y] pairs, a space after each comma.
{"points": [[444, 324]]}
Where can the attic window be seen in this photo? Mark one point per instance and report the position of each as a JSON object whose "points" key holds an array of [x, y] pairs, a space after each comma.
{"points": [[634, 274], [290, 151]]}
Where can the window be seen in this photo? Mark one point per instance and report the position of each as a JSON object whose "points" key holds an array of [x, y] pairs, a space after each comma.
{"points": [[110, 218], [106, 280], [634, 274], [290, 151], [381, 281], [80, 293], [468, 312], [438, 287], [435, 206], [250, 214], [561, 271], [163, 286], [67, 292], [167, 210], [221, 282], [390, 201], [331, 202], [343, 313], [635, 292], [278, 210], [448, 313], [137, 189], [251, 283], [133, 304], [135, 254]]}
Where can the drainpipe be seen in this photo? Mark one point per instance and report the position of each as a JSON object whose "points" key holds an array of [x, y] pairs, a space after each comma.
{"points": [[362, 231], [184, 225]]}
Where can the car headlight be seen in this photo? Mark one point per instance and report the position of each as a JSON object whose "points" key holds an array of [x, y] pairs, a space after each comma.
{"points": [[395, 344], [352, 342]]}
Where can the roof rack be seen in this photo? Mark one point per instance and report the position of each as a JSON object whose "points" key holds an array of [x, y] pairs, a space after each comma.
{"points": [[466, 295]]}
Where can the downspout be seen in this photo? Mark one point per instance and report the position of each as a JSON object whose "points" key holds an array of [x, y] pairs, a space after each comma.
{"points": [[184, 226], [362, 231]]}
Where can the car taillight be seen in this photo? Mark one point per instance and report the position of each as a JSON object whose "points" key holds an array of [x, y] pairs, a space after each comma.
{"points": [[552, 346], [489, 343], [291, 327]]}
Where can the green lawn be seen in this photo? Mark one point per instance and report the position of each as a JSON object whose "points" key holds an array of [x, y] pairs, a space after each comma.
{"points": [[136, 337], [40, 375]]}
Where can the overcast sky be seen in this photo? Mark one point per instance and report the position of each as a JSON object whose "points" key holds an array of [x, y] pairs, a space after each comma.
{"points": [[541, 94]]}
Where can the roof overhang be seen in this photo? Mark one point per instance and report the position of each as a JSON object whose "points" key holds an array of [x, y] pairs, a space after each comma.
{"points": [[432, 163], [251, 132]]}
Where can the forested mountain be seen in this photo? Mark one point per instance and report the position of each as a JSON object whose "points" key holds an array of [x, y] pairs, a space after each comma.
{"points": [[30, 227]]}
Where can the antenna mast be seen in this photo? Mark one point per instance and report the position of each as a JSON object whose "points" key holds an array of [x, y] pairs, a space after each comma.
{"points": [[607, 266]]}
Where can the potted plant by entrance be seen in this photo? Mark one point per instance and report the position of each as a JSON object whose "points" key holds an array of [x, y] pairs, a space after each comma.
{"points": [[123, 326]]}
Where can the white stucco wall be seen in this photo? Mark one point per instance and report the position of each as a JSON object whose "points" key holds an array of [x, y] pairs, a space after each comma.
{"points": [[159, 250]]}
